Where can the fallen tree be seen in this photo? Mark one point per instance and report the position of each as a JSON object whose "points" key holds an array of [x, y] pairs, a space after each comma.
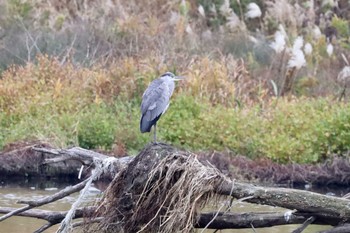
{"points": [[163, 189]]}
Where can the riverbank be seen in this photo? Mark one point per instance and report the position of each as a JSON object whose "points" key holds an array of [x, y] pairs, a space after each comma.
{"points": [[21, 163]]}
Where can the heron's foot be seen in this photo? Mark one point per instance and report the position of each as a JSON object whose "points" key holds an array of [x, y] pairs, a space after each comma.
{"points": [[155, 142], [158, 143]]}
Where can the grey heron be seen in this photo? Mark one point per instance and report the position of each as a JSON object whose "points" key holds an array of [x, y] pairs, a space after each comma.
{"points": [[155, 101]]}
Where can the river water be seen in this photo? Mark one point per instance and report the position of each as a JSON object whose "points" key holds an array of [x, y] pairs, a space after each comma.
{"points": [[11, 193]]}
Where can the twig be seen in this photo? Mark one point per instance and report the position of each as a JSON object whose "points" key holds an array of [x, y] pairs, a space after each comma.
{"points": [[253, 228], [44, 227], [218, 212], [64, 59], [13, 54], [304, 225], [30, 36]]}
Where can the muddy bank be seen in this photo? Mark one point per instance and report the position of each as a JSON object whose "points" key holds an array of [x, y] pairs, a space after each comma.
{"points": [[334, 171], [20, 161]]}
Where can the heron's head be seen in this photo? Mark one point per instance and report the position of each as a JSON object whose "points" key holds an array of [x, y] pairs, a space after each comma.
{"points": [[171, 76]]}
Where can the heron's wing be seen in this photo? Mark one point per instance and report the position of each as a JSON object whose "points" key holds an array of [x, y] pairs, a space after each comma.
{"points": [[155, 100]]}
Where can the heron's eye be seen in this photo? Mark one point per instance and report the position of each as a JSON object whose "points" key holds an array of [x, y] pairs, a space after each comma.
{"points": [[168, 74]]}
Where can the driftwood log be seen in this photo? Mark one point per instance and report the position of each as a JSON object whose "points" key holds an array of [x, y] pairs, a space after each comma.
{"points": [[164, 188]]}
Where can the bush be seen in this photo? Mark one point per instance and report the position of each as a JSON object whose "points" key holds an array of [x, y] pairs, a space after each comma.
{"points": [[303, 130], [96, 128]]}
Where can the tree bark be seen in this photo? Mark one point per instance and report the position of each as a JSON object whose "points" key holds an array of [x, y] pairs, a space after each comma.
{"points": [[339, 229], [331, 209]]}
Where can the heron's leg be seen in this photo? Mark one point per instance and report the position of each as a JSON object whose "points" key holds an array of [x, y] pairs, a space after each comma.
{"points": [[155, 133]]}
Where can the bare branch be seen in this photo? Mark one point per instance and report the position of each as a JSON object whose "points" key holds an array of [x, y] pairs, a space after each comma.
{"points": [[68, 51], [15, 212], [50, 216], [44, 227], [304, 225], [66, 222], [32, 204], [59, 195], [29, 36]]}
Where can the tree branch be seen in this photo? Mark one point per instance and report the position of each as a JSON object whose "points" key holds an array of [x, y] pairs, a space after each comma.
{"points": [[303, 201], [222, 220], [304, 225], [246, 220], [32, 204], [86, 157], [339, 229], [44, 227]]}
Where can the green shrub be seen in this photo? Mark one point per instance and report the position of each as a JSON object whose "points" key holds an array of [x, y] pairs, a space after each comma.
{"points": [[304, 131], [177, 123], [96, 127], [127, 115], [43, 124]]}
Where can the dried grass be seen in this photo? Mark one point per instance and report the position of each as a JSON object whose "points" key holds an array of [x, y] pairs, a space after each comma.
{"points": [[168, 201]]}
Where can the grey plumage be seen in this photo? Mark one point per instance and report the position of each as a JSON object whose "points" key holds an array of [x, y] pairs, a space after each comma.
{"points": [[155, 101]]}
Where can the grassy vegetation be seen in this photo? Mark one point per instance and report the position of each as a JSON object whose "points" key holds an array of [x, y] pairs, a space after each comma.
{"points": [[74, 75], [94, 108]]}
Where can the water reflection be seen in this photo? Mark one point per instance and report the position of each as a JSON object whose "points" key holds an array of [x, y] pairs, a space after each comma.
{"points": [[10, 194]]}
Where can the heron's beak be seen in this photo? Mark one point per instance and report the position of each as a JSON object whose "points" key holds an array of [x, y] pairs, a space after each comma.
{"points": [[178, 78]]}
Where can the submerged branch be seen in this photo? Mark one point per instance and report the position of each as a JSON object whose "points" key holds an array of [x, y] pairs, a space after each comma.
{"points": [[246, 220], [222, 221]]}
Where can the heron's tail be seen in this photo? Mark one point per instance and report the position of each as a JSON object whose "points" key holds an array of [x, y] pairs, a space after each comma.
{"points": [[145, 125]]}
